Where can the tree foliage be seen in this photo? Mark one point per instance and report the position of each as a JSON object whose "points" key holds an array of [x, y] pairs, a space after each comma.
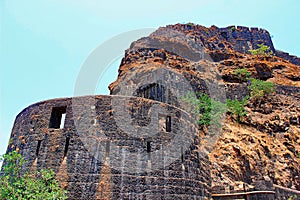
{"points": [[262, 50], [233, 28], [207, 110], [294, 197], [236, 108], [242, 74], [190, 24], [259, 88], [16, 186]]}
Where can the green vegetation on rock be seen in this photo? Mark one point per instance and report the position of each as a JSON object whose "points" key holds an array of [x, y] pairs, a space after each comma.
{"points": [[236, 108], [207, 110], [190, 24], [242, 74], [259, 88], [16, 185], [294, 197], [232, 28], [262, 50]]}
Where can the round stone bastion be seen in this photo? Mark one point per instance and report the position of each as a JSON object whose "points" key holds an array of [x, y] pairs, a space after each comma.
{"points": [[114, 147]]}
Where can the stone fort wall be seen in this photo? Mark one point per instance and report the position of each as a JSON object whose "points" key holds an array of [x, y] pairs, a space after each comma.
{"points": [[240, 38], [244, 39], [95, 157]]}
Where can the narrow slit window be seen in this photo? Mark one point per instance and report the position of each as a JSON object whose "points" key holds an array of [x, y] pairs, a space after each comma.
{"points": [[168, 124], [58, 116], [38, 147], [148, 147], [66, 146], [107, 148], [62, 121], [182, 155]]}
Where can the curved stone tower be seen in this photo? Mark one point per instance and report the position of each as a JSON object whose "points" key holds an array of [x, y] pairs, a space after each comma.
{"points": [[88, 144]]}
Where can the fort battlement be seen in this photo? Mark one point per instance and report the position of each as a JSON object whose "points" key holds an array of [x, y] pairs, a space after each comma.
{"points": [[240, 38]]}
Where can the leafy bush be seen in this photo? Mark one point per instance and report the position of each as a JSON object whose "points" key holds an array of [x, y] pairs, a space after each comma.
{"points": [[232, 28], [262, 50], [207, 110], [259, 88], [242, 74], [236, 108], [294, 197], [190, 24], [14, 185]]}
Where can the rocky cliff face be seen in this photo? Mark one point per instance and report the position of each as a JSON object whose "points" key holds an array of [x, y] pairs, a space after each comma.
{"points": [[266, 145]]}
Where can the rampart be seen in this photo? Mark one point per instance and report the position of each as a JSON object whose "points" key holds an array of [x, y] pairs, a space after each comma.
{"points": [[95, 157]]}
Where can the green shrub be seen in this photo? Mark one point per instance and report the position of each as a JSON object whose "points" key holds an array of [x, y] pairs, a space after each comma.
{"points": [[259, 88], [294, 197], [232, 28], [15, 185], [242, 74], [207, 110], [190, 24], [236, 108], [262, 50]]}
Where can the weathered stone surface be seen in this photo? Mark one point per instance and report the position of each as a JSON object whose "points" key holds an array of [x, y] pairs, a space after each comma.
{"points": [[89, 169]]}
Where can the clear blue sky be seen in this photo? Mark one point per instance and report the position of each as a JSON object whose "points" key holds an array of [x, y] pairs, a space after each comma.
{"points": [[43, 43]]}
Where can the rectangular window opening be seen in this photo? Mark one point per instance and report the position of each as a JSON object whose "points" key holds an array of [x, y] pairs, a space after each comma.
{"points": [[148, 147], [38, 148], [168, 124], [58, 116], [66, 146]]}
